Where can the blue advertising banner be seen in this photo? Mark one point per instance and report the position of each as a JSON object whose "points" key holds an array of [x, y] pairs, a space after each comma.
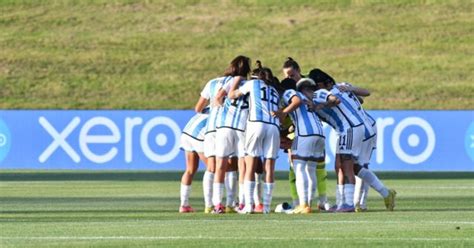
{"points": [[149, 140]]}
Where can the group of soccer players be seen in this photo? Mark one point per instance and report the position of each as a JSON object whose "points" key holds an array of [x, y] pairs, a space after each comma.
{"points": [[244, 117]]}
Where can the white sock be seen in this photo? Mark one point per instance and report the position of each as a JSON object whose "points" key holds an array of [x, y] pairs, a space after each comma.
{"points": [[349, 194], [267, 195], [185, 192], [257, 195], [231, 187], [241, 194], [339, 195], [249, 189], [357, 190], [218, 192], [301, 180], [364, 195], [312, 181], [207, 181], [374, 182]]}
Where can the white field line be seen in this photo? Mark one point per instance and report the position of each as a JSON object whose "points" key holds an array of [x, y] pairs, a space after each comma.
{"points": [[168, 222], [230, 238], [435, 187]]}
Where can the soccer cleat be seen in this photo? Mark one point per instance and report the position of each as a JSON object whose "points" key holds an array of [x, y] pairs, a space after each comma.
{"points": [[390, 200], [324, 206], [246, 210], [208, 210], [219, 209], [359, 208], [239, 207], [333, 209], [186, 209], [230, 210], [302, 209], [345, 208], [259, 208]]}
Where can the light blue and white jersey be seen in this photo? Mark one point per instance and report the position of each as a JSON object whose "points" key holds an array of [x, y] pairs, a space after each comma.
{"points": [[347, 114], [234, 113], [263, 100], [209, 92], [307, 123], [371, 123], [196, 126]]}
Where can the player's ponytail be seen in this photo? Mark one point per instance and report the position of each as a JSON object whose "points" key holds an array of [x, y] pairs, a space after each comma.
{"points": [[291, 63]]}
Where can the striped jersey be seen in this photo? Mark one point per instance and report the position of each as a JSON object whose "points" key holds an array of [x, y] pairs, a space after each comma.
{"points": [[209, 92], [234, 113], [196, 126], [306, 122], [263, 100], [347, 114]]}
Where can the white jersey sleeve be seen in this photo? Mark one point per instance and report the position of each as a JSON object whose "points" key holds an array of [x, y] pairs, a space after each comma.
{"points": [[321, 96], [287, 96], [246, 87], [206, 92]]}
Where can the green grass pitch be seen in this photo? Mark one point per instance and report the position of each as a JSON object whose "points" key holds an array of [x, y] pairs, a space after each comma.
{"points": [[105, 209]]}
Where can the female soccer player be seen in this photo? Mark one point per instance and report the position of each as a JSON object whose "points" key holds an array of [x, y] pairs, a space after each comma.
{"points": [[308, 146], [231, 122], [192, 140], [292, 70], [262, 138], [207, 94]]}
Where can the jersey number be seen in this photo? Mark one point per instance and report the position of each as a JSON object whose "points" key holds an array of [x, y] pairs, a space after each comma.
{"points": [[273, 96]]}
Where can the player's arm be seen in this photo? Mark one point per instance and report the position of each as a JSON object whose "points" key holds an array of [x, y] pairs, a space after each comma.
{"points": [[234, 92], [294, 103], [219, 98], [355, 90], [201, 104]]}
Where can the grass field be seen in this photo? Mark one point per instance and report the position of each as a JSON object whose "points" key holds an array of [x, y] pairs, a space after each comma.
{"points": [[130, 54], [84, 209]]}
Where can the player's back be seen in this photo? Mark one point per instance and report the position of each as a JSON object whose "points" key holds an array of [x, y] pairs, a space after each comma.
{"points": [[263, 100], [210, 92], [234, 113], [307, 123]]}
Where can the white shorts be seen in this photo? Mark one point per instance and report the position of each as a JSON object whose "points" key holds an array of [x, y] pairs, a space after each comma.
{"points": [[210, 144], [366, 150], [262, 140], [230, 142], [308, 147], [350, 142], [191, 144]]}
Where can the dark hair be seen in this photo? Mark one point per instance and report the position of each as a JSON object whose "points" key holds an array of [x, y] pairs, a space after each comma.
{"points": [[291, 63], [265, 74], [288, 84], [320, 76], [239, 66]]}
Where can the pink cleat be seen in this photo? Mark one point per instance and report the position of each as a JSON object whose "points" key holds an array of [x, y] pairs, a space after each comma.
{"points": [[186, 209]]}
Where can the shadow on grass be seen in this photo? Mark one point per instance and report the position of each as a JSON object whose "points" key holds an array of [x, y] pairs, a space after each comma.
{"points": [[9, 175]]}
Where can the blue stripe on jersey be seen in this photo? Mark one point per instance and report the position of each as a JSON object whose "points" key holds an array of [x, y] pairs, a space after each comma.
{"points": [[307, 121], [336, 119], [258, 101], [268, 104], [349, 106], [198, 128]]}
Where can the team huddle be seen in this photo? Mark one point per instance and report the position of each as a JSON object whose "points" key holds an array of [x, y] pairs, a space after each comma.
{"points": [[244, 117]]}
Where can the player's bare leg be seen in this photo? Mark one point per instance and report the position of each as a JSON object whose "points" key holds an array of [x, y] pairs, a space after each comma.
{"points": [[192, 164], [231, 184], [269, 184], [218, 187]]}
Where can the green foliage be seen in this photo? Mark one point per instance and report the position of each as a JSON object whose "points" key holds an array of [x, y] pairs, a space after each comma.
{"points": [[72, 209], [128, 54]]}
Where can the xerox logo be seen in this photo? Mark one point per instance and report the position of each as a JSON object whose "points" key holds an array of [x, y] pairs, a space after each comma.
{"points": [[5, 140], [101, 139]]}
